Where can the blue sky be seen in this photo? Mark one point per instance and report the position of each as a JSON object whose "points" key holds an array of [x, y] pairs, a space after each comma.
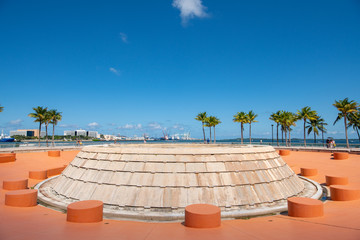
{"points": [[131, 67]]}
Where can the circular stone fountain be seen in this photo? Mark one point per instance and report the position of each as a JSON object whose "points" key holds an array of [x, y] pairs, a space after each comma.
{"points": [[157, 181]]}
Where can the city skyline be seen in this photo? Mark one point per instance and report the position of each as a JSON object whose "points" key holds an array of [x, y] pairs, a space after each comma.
{"points": [[138, 67]]}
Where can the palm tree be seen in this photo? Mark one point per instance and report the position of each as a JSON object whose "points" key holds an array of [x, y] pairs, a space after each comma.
{"points": [[354, 121], [215, 121], [315, 126], [306, 114], [241, 117], [293, 117], [345, 107], [202, 117], [209, 124], [250, 119], [276, 117], [55, 117], [46, 121], [1, 108], [39, 116]]}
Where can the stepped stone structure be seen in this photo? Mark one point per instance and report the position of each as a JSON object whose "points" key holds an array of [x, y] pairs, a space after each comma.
{"points": [[157, 181]]}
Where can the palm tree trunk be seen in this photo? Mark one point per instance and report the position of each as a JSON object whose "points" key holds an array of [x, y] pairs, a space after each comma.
{"points": [[46, 135], [277, 133], [250, 133], [289, 137], [282, 134], [304, 133], [347, 140], [39, 132], [210, 133], [203, 132], [214, 135], [286, 144], [242, 133], [53, 143], [314, 137], [357, 131]]}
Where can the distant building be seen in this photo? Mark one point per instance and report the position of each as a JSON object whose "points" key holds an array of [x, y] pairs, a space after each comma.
{"points": [[92, 134], [27, 133]]}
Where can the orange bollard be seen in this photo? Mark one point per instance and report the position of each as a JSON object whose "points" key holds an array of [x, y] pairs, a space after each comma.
{"points": [[54, 153], [308, 172], [21, 198], [38, 174], [283, 152], [55, 171], [344, 193], [88, 211], [341, 155], [202, 216], [7, 157], [16, 184], [305, 207], [336, 180]]}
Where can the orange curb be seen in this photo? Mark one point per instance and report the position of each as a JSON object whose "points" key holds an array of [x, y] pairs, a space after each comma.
{"points": [[341, 155], [88, 211], [54, 153], [15, 184], [283, 152], [202, 216], [38, 174], [7, 157], [336, 180], [55, 171], [344, 193], [21, 198], [308, 172], [305, 207]]}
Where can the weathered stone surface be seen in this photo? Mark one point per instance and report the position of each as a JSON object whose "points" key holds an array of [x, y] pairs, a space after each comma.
{"points": [[157, 181]]}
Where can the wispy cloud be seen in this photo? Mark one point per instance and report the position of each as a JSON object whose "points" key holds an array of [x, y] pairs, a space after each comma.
{"points": [[115, 71], [71, 126], [190, 9], [123, 37], [154, 126], [94, 125], [130, 126], [15, 123]]}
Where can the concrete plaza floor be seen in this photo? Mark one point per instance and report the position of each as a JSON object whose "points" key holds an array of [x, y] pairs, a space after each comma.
{"points": [[341, 220]]}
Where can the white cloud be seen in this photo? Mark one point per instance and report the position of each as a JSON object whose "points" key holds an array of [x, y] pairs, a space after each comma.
{"points": [[68, 126], [123, 37], [154, 125], [16, 122], [178, 127], [115, 71], [190, 9], [130, 126], [93, 125]]}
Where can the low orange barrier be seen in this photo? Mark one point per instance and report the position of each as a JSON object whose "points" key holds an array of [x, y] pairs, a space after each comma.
{"points": [[88, 211], [16, 184], [38, 174], [55, 171], [202, 216], [7, 157], [341, 155], [283, 152], [21, 198], [308, 172], [305, 207], [344, 193], [54, 153], [336, 180]]}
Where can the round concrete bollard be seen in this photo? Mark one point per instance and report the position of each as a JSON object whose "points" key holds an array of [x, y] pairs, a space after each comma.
{"points": [[283, 152], [341, 155], [7, 157], [38, 174], [88, 211], [336, 180], [21, 198], [16, 184], [54, 153], [344, 193], [202, 216], [308, 172], [305, 207]]}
